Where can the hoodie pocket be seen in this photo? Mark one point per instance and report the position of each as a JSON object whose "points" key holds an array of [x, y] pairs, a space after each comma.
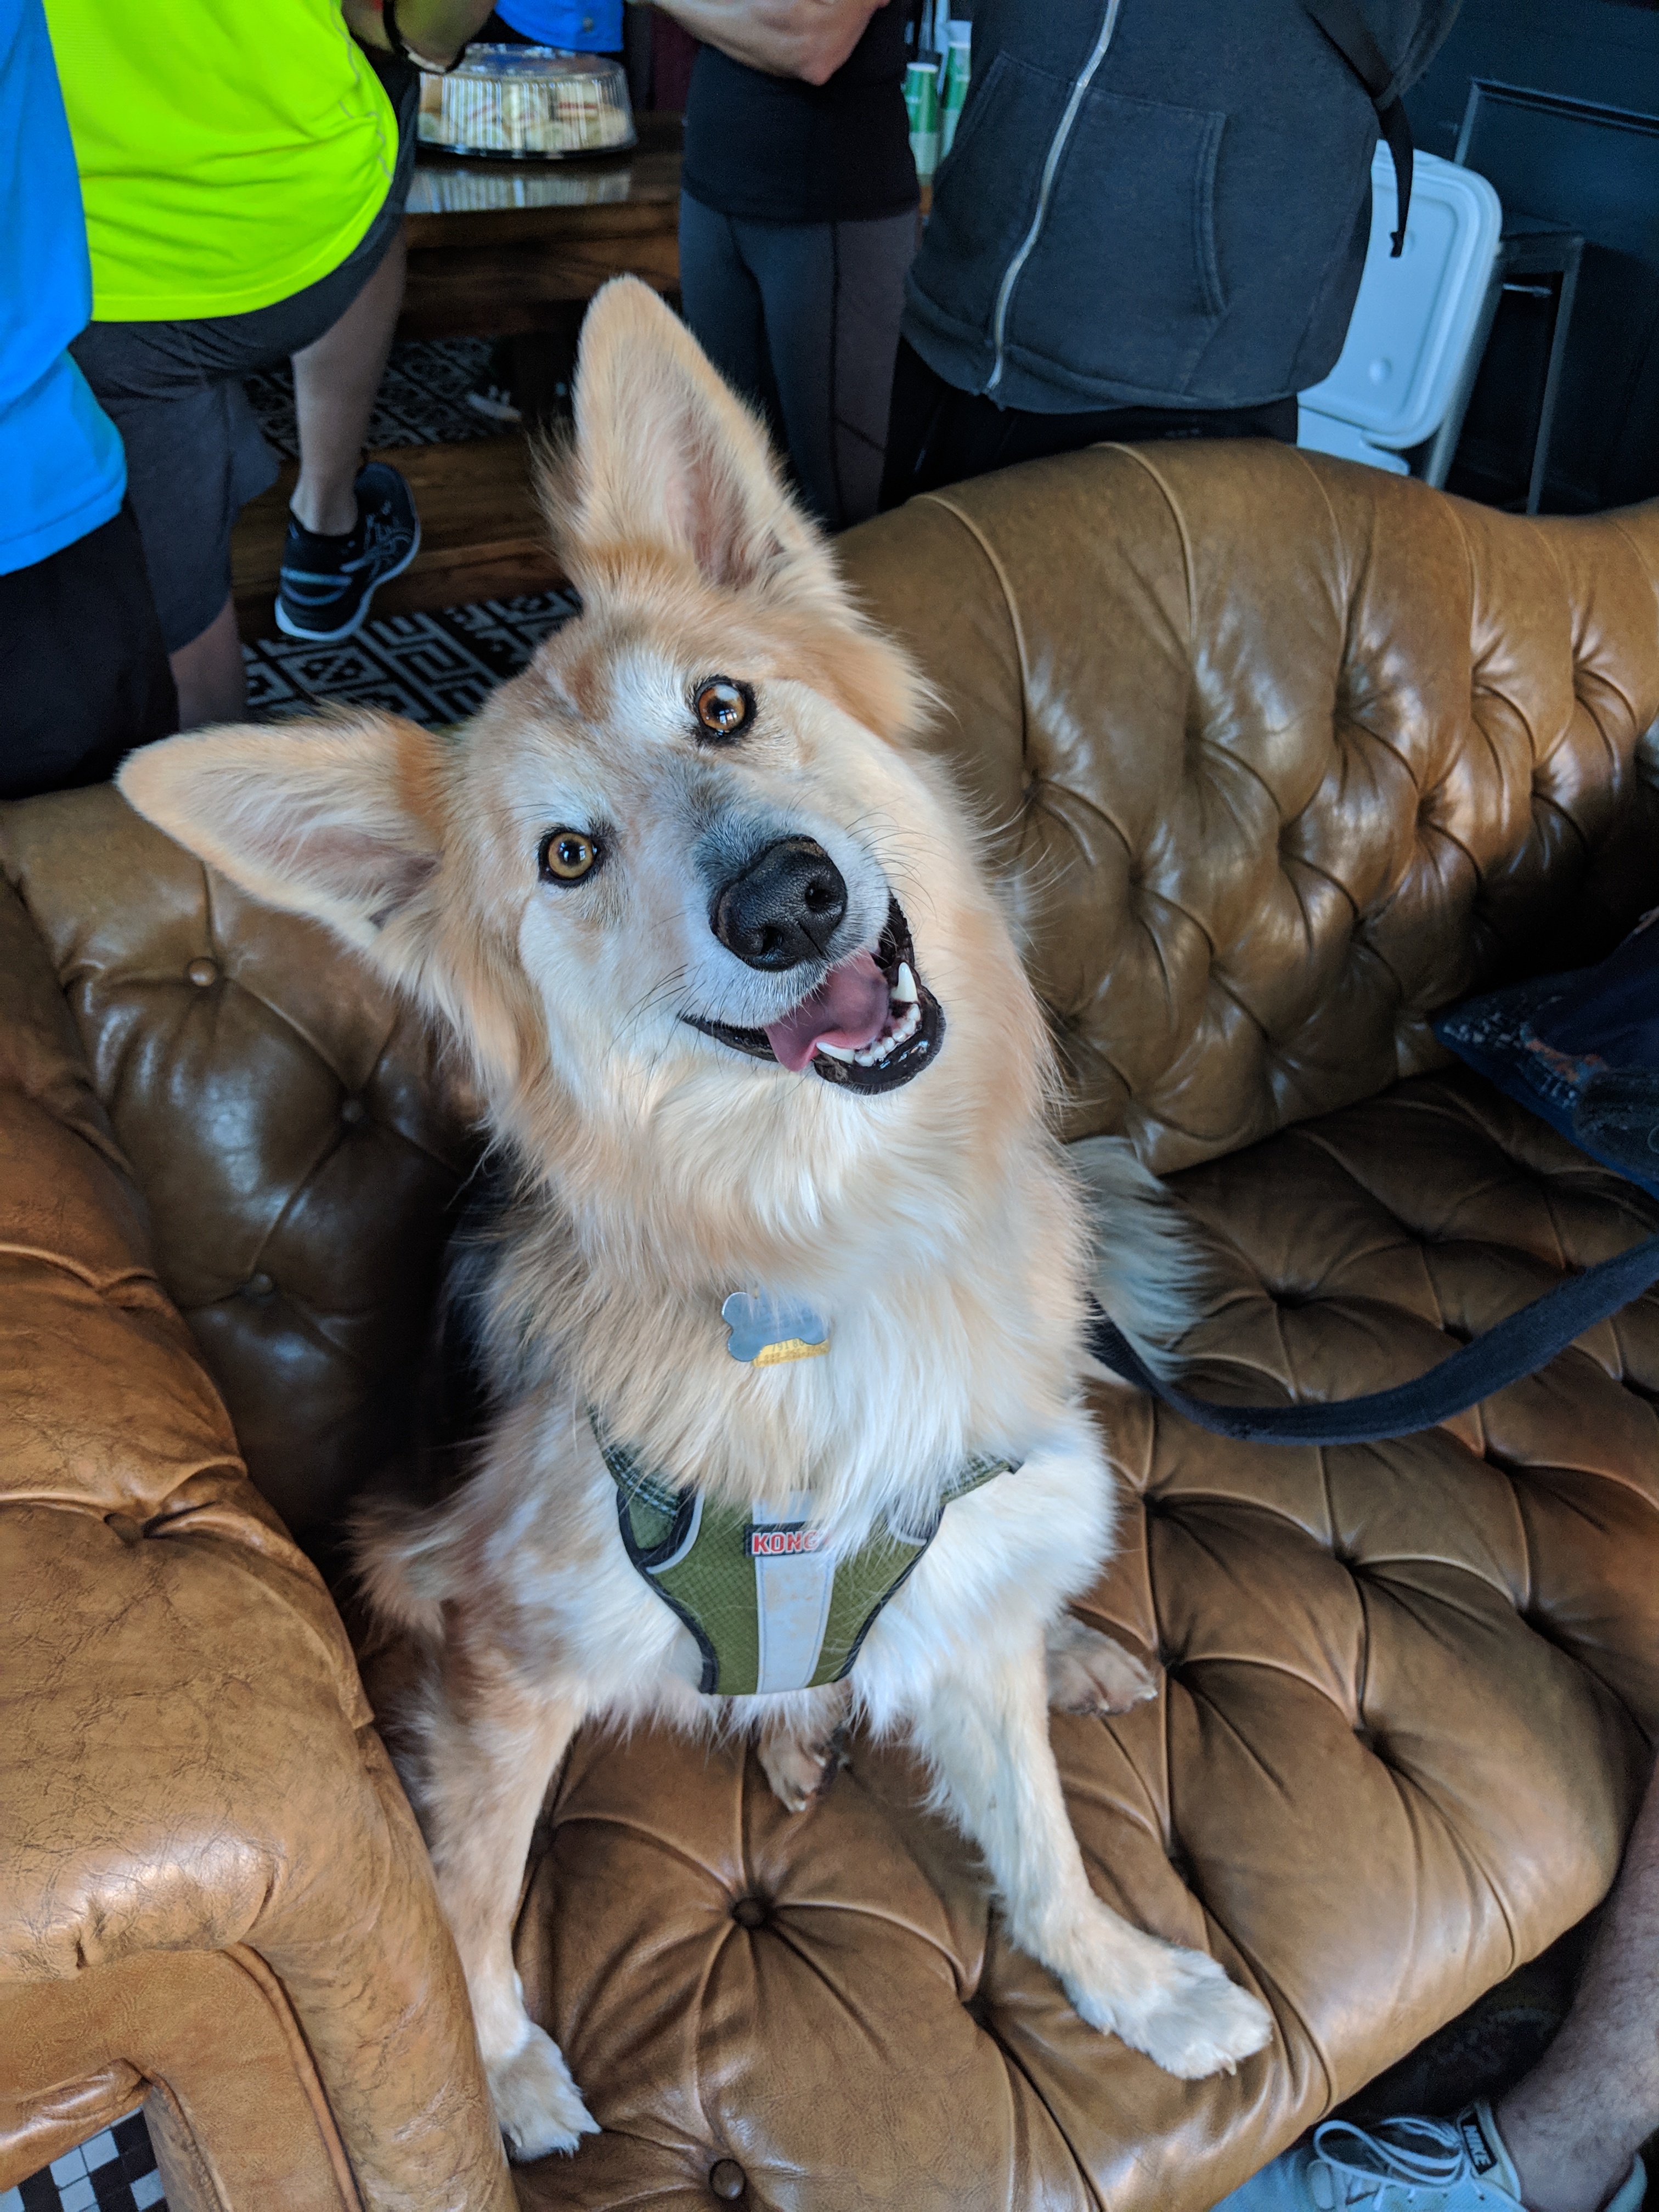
{"points": [[1122, 285], [986, 193]]}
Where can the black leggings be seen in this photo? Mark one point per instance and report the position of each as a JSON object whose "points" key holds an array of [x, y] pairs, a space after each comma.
{"points": [[803, 318]]}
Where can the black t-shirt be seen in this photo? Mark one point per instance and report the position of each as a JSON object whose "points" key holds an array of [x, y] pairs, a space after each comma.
{"points": [[776, 150]]}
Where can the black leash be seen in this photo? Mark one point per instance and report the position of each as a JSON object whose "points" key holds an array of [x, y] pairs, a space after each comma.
{"points": [[1351, 35], [1522, 1345]]}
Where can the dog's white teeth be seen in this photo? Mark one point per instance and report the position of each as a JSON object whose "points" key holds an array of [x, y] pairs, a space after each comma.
{"points": [[902, 1031], [837, 1051], [905, 991], [884, 1047]]}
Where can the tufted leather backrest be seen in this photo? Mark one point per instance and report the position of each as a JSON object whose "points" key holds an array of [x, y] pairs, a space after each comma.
{"points": [[1281, 755], [290, 1125]]}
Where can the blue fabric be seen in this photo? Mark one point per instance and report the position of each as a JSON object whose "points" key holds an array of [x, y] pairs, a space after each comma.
{"points": [[1581, 1051], [61, 459], [581, 27]]}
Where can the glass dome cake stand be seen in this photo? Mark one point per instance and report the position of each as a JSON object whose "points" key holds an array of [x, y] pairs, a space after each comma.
{"points": [[528, 104]]}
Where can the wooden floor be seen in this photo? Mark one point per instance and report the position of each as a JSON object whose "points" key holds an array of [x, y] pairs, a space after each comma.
{"points": [[481, 536]]}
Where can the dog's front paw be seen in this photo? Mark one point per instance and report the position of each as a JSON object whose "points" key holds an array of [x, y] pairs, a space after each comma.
{"points": [[1089, 1673], [538, 2106], [800, 1768], [1185, 2014]]}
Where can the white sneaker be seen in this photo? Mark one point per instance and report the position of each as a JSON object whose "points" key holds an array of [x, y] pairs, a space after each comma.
{"points": [[1408, 2166]]}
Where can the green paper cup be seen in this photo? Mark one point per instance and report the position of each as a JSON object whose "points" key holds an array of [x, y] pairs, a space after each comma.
{"points": [[922, 103], [957, 63]]}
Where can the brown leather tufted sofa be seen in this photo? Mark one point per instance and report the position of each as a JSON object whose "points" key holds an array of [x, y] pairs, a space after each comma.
{"points": [[1280, 756]]}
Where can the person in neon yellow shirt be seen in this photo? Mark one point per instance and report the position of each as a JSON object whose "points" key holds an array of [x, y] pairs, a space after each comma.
{"points": [[243, 173]]}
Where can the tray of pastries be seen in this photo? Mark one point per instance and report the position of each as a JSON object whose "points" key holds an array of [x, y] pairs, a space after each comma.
{"points": [[527, 103]]}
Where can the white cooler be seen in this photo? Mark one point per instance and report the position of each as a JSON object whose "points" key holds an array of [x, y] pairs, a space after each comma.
{"points": [[1411, 354]]}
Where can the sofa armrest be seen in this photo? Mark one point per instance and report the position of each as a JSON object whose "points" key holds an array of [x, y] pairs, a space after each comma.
{"points": [[189, 1763]]}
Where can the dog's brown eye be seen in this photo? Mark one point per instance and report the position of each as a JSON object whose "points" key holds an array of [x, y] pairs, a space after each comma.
{"points": [[568, 855], [725, 706]]}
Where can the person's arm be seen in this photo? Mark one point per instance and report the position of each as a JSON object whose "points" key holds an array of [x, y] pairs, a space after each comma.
{"points": [[436, 30], [808, 39]]}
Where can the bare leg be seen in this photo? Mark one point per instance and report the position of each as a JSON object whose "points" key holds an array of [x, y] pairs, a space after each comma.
{"points": [[208, 671], [1574, 2124], [490, 1752], [987, 1738], [335, 381]]}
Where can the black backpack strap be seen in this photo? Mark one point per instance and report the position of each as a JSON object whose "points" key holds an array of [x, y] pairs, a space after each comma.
{"points": [[1518, 1346], [1351, 35]]}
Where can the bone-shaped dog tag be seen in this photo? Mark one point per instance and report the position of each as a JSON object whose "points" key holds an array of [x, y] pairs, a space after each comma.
{"points": [[767, 1331]]}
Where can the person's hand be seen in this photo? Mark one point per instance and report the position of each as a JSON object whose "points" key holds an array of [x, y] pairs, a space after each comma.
{"points": [[807, 39]]}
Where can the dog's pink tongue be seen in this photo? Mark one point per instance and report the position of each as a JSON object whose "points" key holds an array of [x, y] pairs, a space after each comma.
{"points": [[847, 1009]]}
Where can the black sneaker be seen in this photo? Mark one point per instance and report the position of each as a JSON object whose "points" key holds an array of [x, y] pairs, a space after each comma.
{"points": [[326, 584]]}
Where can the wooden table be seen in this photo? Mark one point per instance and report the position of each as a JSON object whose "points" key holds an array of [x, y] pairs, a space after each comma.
{"points": [[502, 247]]}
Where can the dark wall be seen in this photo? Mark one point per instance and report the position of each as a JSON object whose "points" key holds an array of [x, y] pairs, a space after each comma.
{"points": [[1588, 155]]}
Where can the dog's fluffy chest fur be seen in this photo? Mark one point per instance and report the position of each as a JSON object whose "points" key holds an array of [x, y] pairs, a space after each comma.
{"points": [[924, 1367]]}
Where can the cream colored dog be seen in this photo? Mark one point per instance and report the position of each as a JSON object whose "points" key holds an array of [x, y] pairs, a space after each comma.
{"points": [[748, 1020]]}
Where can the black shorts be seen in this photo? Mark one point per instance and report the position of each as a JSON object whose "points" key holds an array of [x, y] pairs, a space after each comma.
{"points": [[84, 673], [195, 454]]}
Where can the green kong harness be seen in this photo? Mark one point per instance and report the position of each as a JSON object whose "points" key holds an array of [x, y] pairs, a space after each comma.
{"points": [[768, 1610]]}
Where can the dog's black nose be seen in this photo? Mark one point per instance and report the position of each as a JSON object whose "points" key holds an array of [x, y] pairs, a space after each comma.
{"points": [[784, 908]]}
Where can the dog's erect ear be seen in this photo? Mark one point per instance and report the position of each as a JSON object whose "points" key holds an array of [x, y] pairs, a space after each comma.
{"points": [[666, 456], [339, 820]]}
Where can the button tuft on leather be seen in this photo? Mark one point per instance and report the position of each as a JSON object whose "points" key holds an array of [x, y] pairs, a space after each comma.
{"points": [[123, 1525], [202, 973], [728, 2179], [258, 1287], [751, 1912], [353, 1112]]}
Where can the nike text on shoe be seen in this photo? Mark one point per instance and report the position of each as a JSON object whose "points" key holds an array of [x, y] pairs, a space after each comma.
{"points": [[326, 584], [1408, 2166]]}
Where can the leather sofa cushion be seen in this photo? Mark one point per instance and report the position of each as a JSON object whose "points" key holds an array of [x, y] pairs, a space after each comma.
{"points": [[1407, 1695]]}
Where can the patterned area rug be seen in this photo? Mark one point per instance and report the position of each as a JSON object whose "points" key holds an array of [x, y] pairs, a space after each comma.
{"points": [[113, 2172], [423, 398], [433, 668]]}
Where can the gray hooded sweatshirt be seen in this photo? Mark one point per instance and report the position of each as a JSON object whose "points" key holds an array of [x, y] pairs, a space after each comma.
{"points": [[1154, 202]]}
